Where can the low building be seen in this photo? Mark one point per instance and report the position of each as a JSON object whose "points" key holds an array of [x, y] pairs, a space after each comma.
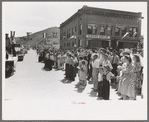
{"points": [[95, 27]]}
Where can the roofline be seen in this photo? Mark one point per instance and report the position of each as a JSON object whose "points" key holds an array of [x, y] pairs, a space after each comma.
{"points": [[86, 9]]}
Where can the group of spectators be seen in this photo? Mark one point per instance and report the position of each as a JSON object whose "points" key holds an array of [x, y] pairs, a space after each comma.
{"points": [[102, 67]]}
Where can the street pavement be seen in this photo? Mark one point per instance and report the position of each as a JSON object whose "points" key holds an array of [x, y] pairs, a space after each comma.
{"points": [[35, 94]]}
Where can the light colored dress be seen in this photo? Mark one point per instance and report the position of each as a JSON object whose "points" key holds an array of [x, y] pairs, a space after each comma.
{"points": [[82, 75], [95, 67], [128, 82], [123, 67], [137, 71]]}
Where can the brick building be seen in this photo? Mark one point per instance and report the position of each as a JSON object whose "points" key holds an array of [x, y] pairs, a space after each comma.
{"points": [[95, 27]]}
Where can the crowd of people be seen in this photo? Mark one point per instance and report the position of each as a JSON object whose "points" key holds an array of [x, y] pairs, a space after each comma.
{"points": [[103, 67]]}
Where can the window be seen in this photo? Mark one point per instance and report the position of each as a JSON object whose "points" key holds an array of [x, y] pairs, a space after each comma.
{"points": [[64, 33], [75, 29], [123, 31], [102, 30], [117, 31], [133, 32], [68, 44], [80, 29], [109, 30], [72, 43], [92, 29], [68, 34]]}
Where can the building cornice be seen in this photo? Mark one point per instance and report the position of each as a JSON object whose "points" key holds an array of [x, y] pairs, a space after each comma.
{"points": [[103, 12]]}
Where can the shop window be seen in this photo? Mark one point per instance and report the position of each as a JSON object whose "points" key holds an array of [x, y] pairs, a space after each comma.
{"points": [[102, 30], [117, 31], [109, 30], [123, 31], [92, 29], [80, 29]]}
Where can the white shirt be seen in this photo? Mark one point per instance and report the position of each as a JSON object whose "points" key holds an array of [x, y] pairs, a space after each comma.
{"points": [[95, 64], [101, 59]]}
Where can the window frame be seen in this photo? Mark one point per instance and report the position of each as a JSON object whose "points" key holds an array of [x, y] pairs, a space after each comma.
{"points": [[92, 29], [101, 25]]}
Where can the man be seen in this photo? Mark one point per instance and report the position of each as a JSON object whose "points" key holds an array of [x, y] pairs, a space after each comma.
{"points": [[114, 62]]}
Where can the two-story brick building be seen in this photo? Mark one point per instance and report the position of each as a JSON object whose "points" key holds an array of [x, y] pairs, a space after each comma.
{"points": [[95, 27]]}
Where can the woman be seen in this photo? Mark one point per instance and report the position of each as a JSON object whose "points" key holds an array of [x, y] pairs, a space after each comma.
{"points": [[48, 62], [128, 81], [137, 71], [95, 67], [58, 60]]}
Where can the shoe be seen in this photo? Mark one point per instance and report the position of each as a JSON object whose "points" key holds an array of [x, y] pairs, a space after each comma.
{"points": [[116, 90]]}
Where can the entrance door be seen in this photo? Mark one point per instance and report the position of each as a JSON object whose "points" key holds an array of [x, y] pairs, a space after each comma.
{"points": [[94, 43], [114, 44], [121, 45], [105, 44]]}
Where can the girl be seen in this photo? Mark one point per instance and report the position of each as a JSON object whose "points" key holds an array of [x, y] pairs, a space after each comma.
{"points": [[82, 75]]}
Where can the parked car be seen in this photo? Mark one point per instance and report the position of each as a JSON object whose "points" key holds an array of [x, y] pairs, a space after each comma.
{"points": [[19, 52]]}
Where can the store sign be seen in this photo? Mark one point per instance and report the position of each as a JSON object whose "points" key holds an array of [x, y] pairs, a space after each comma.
{"points": [[98, 36]]}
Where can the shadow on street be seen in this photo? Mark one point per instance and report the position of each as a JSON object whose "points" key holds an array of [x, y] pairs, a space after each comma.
{"points": [[93, 93]]}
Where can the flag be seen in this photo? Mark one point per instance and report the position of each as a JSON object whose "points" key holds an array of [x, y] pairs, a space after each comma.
{"points": [[125, 35], [72, 37]]}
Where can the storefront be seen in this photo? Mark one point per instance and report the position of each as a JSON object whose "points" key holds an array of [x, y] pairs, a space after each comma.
{"points": [[97, 41]]}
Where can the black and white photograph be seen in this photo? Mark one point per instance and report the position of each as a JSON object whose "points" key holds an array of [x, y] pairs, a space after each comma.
{"points": [[74, 60]]}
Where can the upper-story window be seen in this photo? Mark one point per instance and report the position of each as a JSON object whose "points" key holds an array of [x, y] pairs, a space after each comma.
{"points": [[73, 31], [133, 32], [64, 35], [92, 29], [102, 30], [68, 34], [109, 30], [76, 29], [80, 29], [117, 31], [123, 31]]}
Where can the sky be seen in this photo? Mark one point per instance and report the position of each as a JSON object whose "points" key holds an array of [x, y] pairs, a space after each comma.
{"points": [[23, 17]]}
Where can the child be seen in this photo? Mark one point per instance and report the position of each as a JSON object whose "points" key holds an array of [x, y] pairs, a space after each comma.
{"points": [[82, 74], [107, 75]]}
